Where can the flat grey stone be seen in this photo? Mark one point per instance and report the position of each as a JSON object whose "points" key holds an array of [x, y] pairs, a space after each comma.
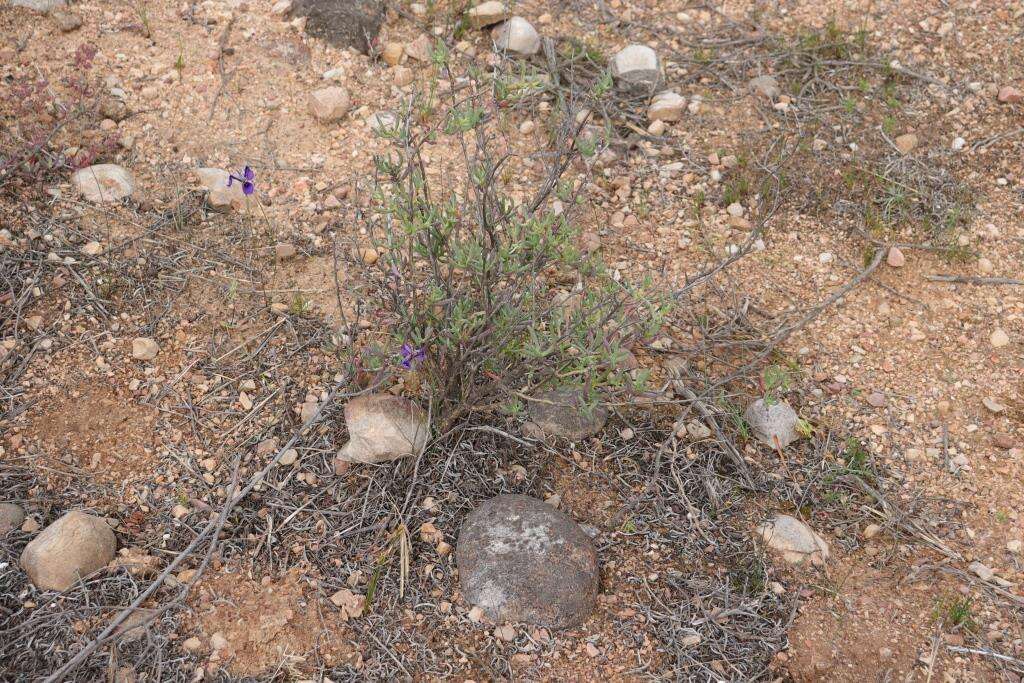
{"points": [[11, 517], [774, 424], [520, 559], [103, 183], [793, 540], [564, 413], [383, 427], [39, 5]]}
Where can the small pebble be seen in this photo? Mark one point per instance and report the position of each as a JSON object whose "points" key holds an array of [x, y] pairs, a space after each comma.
{"points": [[906, 143], [144, 348]]}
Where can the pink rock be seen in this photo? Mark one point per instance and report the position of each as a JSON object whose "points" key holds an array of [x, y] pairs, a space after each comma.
{"points": [[1010, 95]]}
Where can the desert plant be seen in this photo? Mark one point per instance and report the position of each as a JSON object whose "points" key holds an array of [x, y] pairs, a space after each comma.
{"points": [[491, 299], [41, 115]]}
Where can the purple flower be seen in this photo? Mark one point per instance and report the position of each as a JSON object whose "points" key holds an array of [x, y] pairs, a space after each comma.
{"points": [[411, 356], [247, 179]]}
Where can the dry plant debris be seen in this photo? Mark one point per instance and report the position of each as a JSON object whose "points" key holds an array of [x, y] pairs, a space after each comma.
{"points": [[225, 226]]}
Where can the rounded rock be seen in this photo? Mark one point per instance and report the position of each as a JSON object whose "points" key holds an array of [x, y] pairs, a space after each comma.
{"points": [[666, 106], [487, 13], [906, 143], [382, 121], [74, 546], [328, 105], [520, 559], [1010, 95], [92, 248], [220, 195], [114, 109], [999, 338], [392, 53], [518, 36], [565, 413], [765, 86], [144, 348], [793, 540], [636, 65], [774, 423], [420, 49]]}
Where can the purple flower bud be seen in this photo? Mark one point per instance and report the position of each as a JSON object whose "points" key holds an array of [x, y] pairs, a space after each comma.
{"points": [[411, 356]]}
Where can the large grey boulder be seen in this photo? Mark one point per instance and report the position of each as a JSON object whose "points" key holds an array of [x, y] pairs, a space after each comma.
{"points": [[774, 422], [74, 546], [793, 540], [565, 413], [383, 427], [520, 559], [342, 23]]}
